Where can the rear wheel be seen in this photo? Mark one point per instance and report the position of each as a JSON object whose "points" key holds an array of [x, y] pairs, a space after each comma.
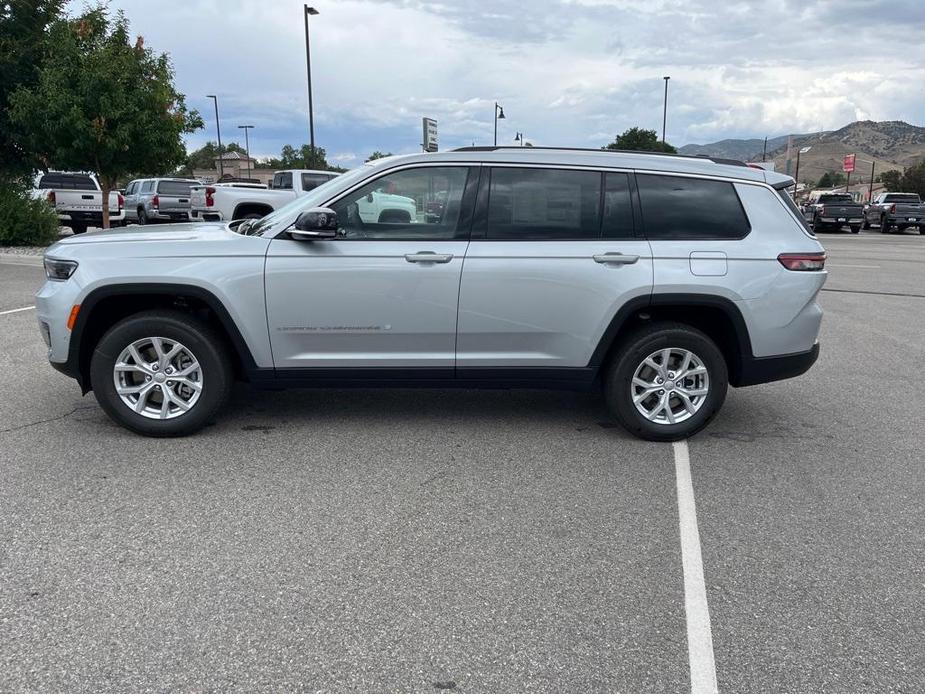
{"points": [[161, 373], [142, 216], [667, 382], [865, 225], [855, 229], [885, 226], [78, 228]]}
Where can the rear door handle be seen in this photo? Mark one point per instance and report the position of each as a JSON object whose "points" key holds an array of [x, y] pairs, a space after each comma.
{"points": [[615, 259], [428, 257]]}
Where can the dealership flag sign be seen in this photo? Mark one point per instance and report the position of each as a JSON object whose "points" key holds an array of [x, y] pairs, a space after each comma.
{"points": [[848, 164]]}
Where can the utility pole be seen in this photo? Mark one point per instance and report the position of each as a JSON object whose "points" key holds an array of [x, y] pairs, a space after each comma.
{"points": [[764, 152], [665, 109], [247, 146], [218, 130], [308, 67]]}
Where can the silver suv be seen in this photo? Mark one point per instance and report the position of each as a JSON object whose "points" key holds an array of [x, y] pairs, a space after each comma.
{"points": [[150, 200], [659, 278]]}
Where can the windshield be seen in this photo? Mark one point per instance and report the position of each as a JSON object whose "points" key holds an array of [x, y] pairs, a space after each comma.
{"points": [[286, 215]]}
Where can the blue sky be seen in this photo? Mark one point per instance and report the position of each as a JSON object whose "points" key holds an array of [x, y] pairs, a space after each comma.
{"points": [[568, 72]]}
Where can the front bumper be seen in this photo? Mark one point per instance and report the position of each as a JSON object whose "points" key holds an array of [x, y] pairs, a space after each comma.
{"points": [[755, 370]]}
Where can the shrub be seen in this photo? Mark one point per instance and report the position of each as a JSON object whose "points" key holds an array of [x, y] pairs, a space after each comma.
{"points": [[24, 220]]}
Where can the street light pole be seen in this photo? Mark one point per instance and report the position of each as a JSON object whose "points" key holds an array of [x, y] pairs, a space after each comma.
{"points": [[247, 146], [218, 130], [796, 179], [665, 109], [308, 68], [499, 114], [519, 137]]}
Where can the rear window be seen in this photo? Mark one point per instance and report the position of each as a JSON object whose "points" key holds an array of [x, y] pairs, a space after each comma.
{"points": [[676, 207], [836, 199], [67, 182], [312, 181], [180, 188], [909, 197]]}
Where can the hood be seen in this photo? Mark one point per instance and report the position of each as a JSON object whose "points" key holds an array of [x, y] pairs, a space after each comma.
{"points": [[184, 231]]}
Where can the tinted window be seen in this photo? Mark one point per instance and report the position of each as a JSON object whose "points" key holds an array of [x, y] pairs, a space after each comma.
{"points": [[67, 182], [546, 204], [618, 208], [414, 204], [130, 190], [893, 197], [179, 188], [147, 186], [282, 181], [312, 181], [674, 207]]}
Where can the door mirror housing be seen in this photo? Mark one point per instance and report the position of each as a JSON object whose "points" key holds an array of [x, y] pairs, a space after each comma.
{"points": [[316, 223]]}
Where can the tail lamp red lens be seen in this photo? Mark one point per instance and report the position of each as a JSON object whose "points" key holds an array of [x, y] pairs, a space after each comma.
{"points": [[802, 262], [210, 201]]}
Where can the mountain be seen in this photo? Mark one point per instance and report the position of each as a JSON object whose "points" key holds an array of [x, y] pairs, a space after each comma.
{"points": [[889, 144]]}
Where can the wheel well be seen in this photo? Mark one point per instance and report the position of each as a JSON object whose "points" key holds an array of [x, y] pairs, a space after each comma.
{"points": [[251, 208], [109, 310], [714, 321]]}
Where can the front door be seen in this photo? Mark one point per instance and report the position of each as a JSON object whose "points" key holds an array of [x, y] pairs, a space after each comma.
{"points": [[385, 292]]}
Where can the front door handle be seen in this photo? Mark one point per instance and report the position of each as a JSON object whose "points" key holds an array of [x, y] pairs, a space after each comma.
{"points": [[428, 257], [615, 259]]}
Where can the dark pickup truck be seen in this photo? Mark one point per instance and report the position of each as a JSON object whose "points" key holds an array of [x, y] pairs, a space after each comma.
{"points": [[894, 212], [832, 211]]}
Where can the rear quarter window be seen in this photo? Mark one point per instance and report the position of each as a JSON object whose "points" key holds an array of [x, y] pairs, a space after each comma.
{"points": [[180, 188], [677, 208]]}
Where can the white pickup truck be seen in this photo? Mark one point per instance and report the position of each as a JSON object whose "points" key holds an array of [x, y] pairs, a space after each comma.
{"points": [[216, 202], [78, 200]]}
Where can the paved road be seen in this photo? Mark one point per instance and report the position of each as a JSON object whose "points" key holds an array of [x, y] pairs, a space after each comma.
{"points": [[471, 542]]}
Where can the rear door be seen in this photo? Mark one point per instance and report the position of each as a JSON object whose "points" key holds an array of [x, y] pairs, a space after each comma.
{"points": [[554, 255], [382, 294], [174, 199]]}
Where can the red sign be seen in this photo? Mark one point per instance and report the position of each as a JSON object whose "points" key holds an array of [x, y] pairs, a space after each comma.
{"points": [[848, 165]]}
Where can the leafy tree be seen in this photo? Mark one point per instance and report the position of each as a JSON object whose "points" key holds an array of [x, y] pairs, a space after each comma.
{"points": [[378, 155], [303, 158], [205, 156], [24, 220], [831, 179], [640, 140], [23, 41], [103, 103], [892, 180]]}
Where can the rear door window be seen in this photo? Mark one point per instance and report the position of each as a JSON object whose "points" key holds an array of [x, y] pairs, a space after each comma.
{"points": [[678, 207], [544, 204], [282, 180], [147, 186]]}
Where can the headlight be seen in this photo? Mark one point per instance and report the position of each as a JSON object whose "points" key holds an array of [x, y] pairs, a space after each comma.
{"points": [[59, 269]]}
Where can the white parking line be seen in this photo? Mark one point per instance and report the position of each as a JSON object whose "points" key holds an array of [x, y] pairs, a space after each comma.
{"points": [[866, 267], [17, 310], [699, 633]]}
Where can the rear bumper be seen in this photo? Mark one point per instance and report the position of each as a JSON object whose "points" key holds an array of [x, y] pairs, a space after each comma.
{"points": [[208, 214], [755, 370]]}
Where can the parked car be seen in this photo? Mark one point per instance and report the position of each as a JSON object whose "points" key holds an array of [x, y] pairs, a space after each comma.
{"points": [[895, 212], [215, 202], [78, 199], [832, 211], [158, 200], [660, 279]]}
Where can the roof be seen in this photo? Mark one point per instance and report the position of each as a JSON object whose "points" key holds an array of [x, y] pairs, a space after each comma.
{"points": [[598, 158], [232, 155]]}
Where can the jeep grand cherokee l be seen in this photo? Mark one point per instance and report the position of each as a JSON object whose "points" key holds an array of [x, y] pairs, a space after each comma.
{"points": [[659, 278]]}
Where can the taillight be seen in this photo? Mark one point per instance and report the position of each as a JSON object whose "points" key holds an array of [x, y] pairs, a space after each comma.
{"points": [[210, 191], [802, 262], [893, 208], [51, 197], [155, 202], [121, 201]]}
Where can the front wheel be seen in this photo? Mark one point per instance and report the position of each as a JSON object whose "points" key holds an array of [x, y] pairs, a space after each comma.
{"points": [[856, 229], [667, 382], [885, 226], [161, 373]]}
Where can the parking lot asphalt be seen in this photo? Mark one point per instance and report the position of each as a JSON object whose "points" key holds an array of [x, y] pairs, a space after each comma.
{"points": [[422, 541]]}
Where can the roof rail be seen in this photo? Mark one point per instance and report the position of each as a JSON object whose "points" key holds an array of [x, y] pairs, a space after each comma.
{"points": [[491, 148]]}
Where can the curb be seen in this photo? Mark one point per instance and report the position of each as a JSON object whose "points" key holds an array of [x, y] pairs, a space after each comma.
{"points": [[19, 259]]}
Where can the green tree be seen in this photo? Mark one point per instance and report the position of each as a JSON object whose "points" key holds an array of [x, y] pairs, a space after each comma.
{"points": [[103, 103], [913, 180], [23, 41], [640, 140], [378, 155], [892, 180], [204, 157]]}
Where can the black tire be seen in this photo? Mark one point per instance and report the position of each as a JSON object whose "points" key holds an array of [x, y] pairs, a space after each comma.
{"points": [[209, 350], [865, 225], [855, 229], [78, 228], [142, 216], [885, 226], [630, 355]]}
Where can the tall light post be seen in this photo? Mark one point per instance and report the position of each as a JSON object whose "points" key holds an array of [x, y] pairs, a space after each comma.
{"points": [[796, 180], [519, 137], [665, 109], [218, 130], [499, 114], [247, 146], [870, 186], [308, 67]]}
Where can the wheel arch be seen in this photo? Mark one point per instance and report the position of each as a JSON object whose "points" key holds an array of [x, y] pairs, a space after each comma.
{"points": [[244, 208], [716, 316], [104, 307]]}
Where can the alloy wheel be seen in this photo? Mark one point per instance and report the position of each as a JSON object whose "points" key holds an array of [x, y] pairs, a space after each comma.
{"points": [[670, 386], [158, 378]]}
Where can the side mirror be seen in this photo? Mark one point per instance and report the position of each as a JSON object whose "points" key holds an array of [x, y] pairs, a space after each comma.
{"points": [[316, 223]]}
